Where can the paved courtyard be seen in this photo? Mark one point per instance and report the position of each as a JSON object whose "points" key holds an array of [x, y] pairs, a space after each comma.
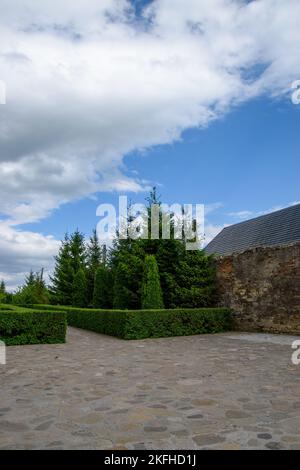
{"points": [[225, 391]]}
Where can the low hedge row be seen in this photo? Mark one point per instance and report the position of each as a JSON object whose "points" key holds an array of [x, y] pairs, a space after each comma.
{"points": [[140, 324], [24, 326]]}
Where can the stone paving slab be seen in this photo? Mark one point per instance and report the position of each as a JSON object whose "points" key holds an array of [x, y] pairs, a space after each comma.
{"points": [[224, 391]]}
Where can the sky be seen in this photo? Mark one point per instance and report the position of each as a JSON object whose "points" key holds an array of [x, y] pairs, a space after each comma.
{"points": [[108, 98]]}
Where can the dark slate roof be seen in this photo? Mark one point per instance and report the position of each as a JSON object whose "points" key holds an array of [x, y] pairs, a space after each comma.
{"points": [[277, 228]]}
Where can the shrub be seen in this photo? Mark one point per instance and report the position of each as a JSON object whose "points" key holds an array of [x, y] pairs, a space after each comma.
{"points": [[151, 290], [139, 324], [24, 326], [79, 289], [177, 322]]}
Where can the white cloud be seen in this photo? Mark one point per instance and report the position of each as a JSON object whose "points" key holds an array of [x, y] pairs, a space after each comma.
{"points": [[21, 251], [246, 214], [211, 231], [87, 83], [241, 214]]}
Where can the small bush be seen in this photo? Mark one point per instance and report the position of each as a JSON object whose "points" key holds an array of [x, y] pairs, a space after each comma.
{"points": [[139, 324], [24, 326], [177, 322]]}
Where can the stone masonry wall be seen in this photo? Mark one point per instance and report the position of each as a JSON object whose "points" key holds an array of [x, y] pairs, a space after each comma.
{"points": [[262, 286]]}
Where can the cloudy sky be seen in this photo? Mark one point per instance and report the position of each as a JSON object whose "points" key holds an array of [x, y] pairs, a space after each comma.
{"points": [[109, 97]]}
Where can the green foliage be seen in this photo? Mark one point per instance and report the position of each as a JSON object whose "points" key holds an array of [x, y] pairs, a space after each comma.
{"points": [[177, 322], [77, 251], [151, 289], [70, 259], [34, 291], [79, 289], [2, 287], [24, 326], [140, 324], [62, 279], [127, 282], [3, 293], [93, 261], [102, 297], [187, 278]]}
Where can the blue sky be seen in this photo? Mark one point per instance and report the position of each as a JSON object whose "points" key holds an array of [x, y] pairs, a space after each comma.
{"points": [[246, 161], [111, 97]]}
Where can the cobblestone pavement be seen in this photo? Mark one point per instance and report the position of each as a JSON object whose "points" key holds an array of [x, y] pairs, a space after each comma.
{"points": [[224, 391]]}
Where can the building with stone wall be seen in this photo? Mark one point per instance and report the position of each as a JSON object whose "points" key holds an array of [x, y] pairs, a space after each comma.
{"points": [[258, 271]]}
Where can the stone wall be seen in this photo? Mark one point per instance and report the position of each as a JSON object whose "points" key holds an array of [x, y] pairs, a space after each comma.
{"points": [[262, 286]]}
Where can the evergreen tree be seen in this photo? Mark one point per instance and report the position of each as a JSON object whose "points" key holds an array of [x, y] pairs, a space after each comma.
{"points": [[186, 277], [41, 292], [195, 275], [30, 279], [2, 292], [2, 287], [124, 295], [126, 261], [62, 279], [151, 290], [34, 290], [102, 297], [77, 251], [94, 260], [70, 259], [79, 289]]}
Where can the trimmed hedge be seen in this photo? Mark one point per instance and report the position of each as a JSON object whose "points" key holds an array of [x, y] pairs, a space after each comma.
{"points": [[24, 326], [140, 324]]}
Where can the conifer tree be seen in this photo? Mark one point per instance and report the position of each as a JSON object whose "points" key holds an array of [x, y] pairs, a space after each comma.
{"points": [[151, 290], [30, 279], [34, 290], [62, 279], [2, 287], [94, 260], [124, 296], [2, 291], [79, 288], [77, 251], [102, 297]]}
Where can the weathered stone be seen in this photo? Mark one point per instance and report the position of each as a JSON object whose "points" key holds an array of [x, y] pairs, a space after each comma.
{"points": [[155, 428], [44, 426], [236, 414], [262, 286], [201, 377], [12, 426], [207, 439], [274, 446], [264, 435]]}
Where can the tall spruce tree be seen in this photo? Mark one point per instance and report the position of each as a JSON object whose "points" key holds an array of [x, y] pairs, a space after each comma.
{"points": [[186, 277], [2, 291], [63, 276], [151, 290], [70, 259], [79, 288], [77, 251], [94, 260], [2, 287]]}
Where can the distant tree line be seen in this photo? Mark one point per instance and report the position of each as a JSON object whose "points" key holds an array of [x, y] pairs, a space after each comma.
{"points": [[132, 274]]}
